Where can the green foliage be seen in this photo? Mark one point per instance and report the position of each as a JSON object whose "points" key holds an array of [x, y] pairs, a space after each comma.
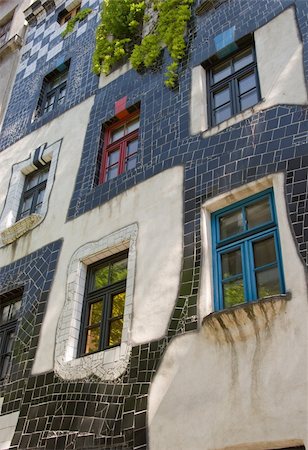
{"points": [[120, 30], [81, 15]]}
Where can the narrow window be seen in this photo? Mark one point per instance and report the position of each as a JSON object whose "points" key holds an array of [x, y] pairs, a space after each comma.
{"points": [[65, 15], [104, 303], [4, 32], [120, 147], [247, 261], [9, 311], [33, 193], [233, 85]]}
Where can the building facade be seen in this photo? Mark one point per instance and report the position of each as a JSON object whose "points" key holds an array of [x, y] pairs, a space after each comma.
{"points": [[153, 241]]}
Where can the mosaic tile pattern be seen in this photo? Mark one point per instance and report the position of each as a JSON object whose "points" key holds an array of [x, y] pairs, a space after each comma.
{"points": [[90, 414]]}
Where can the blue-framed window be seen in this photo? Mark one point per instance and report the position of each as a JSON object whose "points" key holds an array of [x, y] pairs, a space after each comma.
{"points": [[246, 252]]}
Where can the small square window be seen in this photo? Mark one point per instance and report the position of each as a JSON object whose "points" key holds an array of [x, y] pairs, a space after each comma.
{"points": [[33, 193], [53, 90], [4, 32], [65, 15], [9, 312], [104, 304], [233, 85], [247, 261], [120, 147]]}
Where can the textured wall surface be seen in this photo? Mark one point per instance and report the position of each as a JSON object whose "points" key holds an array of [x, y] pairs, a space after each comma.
{"points": [[92, 413]]}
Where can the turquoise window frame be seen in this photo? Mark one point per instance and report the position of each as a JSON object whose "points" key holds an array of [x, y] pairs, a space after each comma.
{"points": [[244, 240]]}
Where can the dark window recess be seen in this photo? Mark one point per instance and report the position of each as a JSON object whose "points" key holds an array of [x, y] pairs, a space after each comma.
{"points": [[233, 86], [103, 311], [203, 6], [53, 90], [33, 193], [120, 147], [9, 312], [64, 16], [4, 32]]}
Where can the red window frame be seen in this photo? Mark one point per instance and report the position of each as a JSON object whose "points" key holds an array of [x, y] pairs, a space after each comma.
{"points": [[120, 144]]}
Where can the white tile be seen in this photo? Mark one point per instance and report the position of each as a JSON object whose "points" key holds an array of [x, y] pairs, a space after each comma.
{"points": [[30, 69], [54, 51]]}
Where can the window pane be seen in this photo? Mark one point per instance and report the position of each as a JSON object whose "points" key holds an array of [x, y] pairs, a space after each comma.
{"points": [[92, 340], [115, 332], [15, 309], [268, 282], [39, 200], [264, 252], [223, 113], [101, 277], [243, 60], [233, 293], [10, 341], [231, 224], [221, 72], [258, 213], [95, 314], [117, 134], [249, 99], [118, 271], [42, 176], [32, 180], [49, 102], [25, 210], [5, 313], [221, 97], [113, 157], [62, 95], [118, 302], [133, 125], [132, 147], [247, 83], [5, 365], [231, 263], [131, 163], [112, 172]]}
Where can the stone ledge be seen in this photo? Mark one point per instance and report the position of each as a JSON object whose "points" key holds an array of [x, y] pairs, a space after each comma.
{"points": [[19, 228], [11, 45], [240, 322]]}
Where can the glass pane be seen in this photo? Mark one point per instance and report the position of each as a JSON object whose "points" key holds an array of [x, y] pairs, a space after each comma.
{"points": [[258, 213], [101, 277], [264, 252], [5, 313], [249, 99], [247, 83], [231, 263], [15, 309], [61, 95], [40, 197], [233, 293], [92, 341], [231, 224], [115, 332], [49, 102], [131, 163], [5, 365], [268, 282], [95, 314], [243, 60], [112, 172], [117, 134], [32, 180], [118, 271], [42, 176], [10, 341], [221, 97], [221, 72], [132, 147], [118, 302], [113, 157], [133, 125], [26, 206], [223, 113]]}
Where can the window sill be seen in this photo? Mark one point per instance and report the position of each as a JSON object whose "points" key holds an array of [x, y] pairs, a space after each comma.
{"points": [[19, 228], [241, 322], [11, 45]]}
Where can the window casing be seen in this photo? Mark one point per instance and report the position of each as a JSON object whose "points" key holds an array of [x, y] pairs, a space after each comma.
{"points": [[246, 252], [120, 147], [4, 32], [9, 312], [64, 16], [104, 302], [233, 86], [33, 193]]}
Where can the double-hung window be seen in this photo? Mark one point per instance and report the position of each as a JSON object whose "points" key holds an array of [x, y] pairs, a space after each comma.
{"points": [[103, 311], [33, 193], [246, 252], [8, 320], [233, 86], [120, 147]]}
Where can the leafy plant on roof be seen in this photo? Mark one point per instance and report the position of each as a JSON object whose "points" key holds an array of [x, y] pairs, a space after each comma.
{"points": [[81, 15]]}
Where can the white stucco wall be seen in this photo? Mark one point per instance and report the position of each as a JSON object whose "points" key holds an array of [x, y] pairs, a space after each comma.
{"points": [[245, 386], [279, 54], [155, 205]]}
